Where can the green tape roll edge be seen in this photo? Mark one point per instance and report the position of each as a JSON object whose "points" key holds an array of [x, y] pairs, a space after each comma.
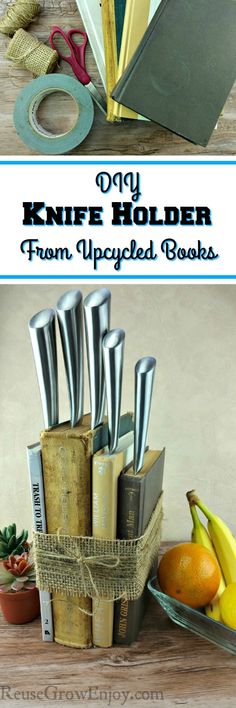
{"points": [[26, 120]]}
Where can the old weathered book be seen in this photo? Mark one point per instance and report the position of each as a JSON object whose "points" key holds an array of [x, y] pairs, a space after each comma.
{"points": [[67, 461], [137, 498], [184, 67], [106, 471]]}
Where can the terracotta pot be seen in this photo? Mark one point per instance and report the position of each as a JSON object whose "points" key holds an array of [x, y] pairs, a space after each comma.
{"points": [[20, 607]]}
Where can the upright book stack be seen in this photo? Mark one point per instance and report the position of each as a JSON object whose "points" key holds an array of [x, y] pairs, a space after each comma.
{"points": [[93, 476]]}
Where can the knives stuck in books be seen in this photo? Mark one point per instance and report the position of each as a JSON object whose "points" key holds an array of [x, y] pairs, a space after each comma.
{"points": [[112, 451]]}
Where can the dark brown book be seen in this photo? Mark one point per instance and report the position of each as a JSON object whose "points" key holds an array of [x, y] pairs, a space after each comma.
{"points": [[137, 498], [184, 67]]}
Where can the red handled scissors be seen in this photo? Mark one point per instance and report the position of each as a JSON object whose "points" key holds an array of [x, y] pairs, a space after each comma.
{"points": [[76, 59]]}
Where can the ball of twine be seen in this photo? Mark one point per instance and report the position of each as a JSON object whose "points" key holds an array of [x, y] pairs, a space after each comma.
{"points": [[26, 50], [18, 15]]}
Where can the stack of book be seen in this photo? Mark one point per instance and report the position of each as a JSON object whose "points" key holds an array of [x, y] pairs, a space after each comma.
{"points": [[169, 61], [91, 476]]}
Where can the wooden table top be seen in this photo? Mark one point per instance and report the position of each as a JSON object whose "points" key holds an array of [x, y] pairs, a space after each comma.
{"points": [[125, 138], [167, 666]]}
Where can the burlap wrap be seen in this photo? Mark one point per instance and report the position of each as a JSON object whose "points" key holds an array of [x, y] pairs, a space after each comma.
{"points": [[26, 50], [90, 567]]}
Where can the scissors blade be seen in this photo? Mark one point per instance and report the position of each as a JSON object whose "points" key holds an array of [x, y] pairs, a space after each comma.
{"points": [[97, 97]]}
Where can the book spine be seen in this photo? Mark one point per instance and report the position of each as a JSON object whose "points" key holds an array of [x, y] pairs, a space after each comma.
{"points": [[130, 503], [39, 520], [67, 482], [110, 48], [130, 496], [106, 471], [137, 498], [119, 110], [104, 511]]}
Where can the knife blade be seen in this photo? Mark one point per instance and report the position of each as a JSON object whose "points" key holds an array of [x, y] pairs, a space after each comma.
{"points": [[70, 320], [113, 357], [43, 338], [97, 323], [144, 377]]}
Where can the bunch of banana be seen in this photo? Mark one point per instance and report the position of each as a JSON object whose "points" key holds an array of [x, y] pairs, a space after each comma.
{"points": [[200, 535], [10, 543], [224, 543]]}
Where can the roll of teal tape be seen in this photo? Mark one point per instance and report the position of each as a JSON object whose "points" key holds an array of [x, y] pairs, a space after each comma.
{"points": [[26, 114]]}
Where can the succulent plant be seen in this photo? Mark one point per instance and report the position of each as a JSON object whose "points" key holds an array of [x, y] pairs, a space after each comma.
{"points": [[10, 543], [17, 573]]}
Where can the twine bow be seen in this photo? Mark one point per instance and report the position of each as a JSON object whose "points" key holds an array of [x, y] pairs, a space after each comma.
{"points": [[84, 562]]}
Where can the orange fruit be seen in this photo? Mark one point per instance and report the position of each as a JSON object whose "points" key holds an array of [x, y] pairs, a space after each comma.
{"points": [[189, 573]]}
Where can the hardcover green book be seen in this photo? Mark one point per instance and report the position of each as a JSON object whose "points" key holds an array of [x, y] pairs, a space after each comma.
{"points": [[184, 67], [137, 498]]}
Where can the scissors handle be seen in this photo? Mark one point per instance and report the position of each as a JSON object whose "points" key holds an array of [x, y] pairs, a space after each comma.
{"points": [[75, 63], [79, 49]]}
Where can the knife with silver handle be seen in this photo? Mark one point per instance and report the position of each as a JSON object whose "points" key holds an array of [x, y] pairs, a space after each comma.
{"points": [[70, 319], [43, 338], [97, 324], [144, 376], [113, 356]]}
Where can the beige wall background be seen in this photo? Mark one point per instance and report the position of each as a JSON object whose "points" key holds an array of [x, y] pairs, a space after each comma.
{"points": [[192, 332]]}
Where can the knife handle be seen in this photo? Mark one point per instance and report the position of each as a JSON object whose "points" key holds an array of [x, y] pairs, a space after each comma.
{"points": [[97, 324], [70, 320], [113, 357], [144, 377], [43, 337]]}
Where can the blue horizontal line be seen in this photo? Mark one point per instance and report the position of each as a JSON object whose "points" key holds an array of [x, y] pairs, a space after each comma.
{"points": [[117, 277], [117, 162]]}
